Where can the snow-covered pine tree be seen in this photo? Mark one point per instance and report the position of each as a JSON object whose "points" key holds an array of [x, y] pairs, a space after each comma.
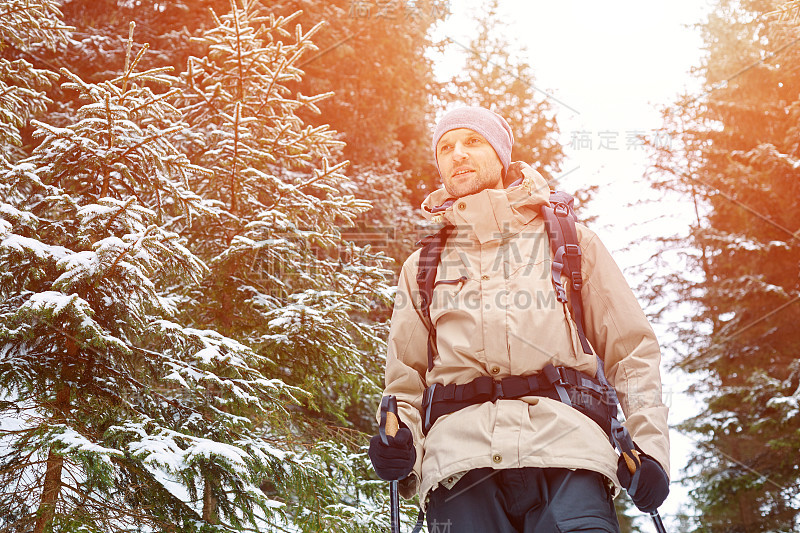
{"points": [[282, 279], [376, 60], [113, 416], [735, 154], [25, 27]]}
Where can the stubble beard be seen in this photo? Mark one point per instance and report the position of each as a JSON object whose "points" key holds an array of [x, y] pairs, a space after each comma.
{"points": [[480, 180]]}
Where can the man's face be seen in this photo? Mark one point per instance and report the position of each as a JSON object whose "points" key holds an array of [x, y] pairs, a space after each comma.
{"points": [[468, 163]]}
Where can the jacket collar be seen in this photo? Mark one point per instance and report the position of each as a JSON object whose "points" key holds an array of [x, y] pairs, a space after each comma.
{"points": [[491, 214]]}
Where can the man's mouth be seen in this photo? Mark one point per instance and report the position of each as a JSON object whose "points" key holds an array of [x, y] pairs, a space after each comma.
{"points": [[462, 171]]}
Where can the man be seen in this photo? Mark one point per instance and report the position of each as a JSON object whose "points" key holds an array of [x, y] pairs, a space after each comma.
{"points": [[528, 461]]}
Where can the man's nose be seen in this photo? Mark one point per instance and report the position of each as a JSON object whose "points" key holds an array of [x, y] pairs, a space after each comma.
{"points": [[459, 152]]}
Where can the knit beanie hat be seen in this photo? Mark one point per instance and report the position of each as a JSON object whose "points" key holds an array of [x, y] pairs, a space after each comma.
{"points": [[489, 124]]}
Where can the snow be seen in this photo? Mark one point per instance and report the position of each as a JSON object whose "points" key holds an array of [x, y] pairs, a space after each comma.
{"points": [[746, 245], [85, 261], [39, 249], [168, 453], [779, 244], [209, 449], [789, 404], [77, 443], [738, 242], [54, 303], [175, 488], [158, 450], [51, 300], [24, 166], [282, 321], [97, 210], [54, 131], [207, 355], [13, 213], [181, 372], [13, 422], [177, 378], [111, 244]]}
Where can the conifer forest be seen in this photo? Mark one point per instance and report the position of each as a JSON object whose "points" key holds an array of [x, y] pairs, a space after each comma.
{"points": [[204, 205]]}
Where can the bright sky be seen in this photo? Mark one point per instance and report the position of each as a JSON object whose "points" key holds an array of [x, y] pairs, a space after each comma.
{"points": [[607, 66]]}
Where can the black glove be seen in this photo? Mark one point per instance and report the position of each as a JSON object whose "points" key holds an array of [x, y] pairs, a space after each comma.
{"points": [[395, 461], [652, 487]]}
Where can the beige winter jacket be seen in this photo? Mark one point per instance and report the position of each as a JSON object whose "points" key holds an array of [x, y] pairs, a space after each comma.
{"points": [[503, 319]]}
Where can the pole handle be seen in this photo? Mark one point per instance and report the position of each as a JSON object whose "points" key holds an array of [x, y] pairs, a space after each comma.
{"points": [[633, 465], [390, 423]]}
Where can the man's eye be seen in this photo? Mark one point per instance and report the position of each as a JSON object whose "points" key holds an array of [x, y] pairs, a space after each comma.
{"points": [[474, 140], [444, 148]]}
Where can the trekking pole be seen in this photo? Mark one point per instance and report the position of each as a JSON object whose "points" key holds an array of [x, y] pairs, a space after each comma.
{"points": [[388, 428], [632, 461], [624, 443], [657, 521]]}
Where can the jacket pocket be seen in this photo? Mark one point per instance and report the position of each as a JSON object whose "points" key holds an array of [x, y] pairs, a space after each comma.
{"points": [[452, 296]]}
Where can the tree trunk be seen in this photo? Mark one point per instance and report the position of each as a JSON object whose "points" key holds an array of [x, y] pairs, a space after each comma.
{"points": [[55, 462], [50, 492], [209, 503]]}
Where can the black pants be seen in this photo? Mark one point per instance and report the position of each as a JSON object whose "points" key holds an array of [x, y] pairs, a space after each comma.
{"points": [[524, 500]]}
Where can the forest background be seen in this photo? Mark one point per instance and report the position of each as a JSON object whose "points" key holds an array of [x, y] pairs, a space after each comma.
{"points": [[199, 237]]}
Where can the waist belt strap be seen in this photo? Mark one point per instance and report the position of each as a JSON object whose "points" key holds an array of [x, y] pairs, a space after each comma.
{"points": [[582, 392]]}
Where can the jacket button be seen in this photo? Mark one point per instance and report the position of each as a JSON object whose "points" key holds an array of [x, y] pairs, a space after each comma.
{"points": [[497, 458], [495, 370], [485, 277], [462, 205]]}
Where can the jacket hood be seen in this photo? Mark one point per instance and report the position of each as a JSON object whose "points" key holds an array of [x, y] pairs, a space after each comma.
{"points": [[491, 210]]}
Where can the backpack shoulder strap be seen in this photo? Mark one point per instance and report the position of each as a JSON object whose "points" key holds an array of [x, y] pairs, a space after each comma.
{"points": [[559, 218], [429, 259], [560, 221]]}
